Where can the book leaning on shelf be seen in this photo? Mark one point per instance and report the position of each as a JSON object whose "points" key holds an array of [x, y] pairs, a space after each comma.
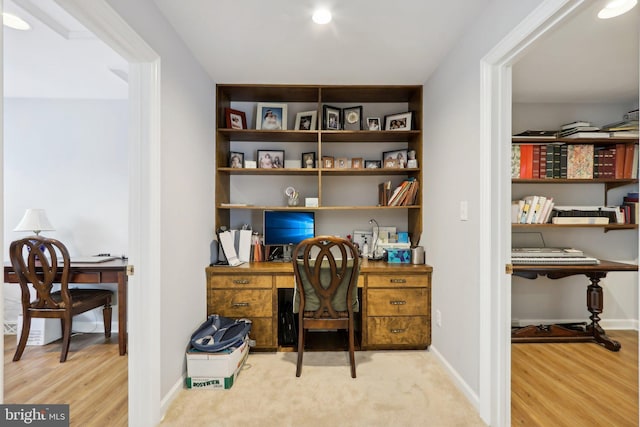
{"points": [[531, 210], [404, 194]]}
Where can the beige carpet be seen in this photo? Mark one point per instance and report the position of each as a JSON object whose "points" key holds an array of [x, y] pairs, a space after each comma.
{"points": [[393, 388]]}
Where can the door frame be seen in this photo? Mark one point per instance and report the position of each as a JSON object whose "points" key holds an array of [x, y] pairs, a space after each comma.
{"points": [[144, 408], [495, 205]]}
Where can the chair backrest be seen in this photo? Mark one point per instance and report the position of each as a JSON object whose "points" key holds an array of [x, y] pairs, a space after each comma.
{"points": [[327, 282], [38, 260]]}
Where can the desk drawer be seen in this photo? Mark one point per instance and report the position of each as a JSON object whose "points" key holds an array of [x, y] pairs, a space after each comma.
{"points": [[238, 281], [398, 302], [241, 303], [404, 280], [262, 332], [411, 331]]}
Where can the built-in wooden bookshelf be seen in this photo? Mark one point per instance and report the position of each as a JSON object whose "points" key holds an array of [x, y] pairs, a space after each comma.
{"points": [[377, 101], [607, 182]]}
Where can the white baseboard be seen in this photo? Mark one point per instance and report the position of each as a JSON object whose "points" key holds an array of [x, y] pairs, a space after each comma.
{"points": [[457, 379], [171, 395]]}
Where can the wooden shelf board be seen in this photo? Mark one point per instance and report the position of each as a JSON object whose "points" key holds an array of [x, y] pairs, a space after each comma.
{"points": [[319, 208], [607, 227], [575, 181], [270, 135], [599, 141]]}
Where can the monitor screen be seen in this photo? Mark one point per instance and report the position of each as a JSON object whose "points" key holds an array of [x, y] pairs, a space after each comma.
{"points": [[286, 227]]}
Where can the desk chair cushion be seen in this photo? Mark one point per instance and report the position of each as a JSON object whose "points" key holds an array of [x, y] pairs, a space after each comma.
{"points": [[312, 302]]}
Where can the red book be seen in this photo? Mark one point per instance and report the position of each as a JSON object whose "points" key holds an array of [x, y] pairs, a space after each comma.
{"points": [[619, 161], [526, 161], [628, 160], [543, 161], [536, 162]]}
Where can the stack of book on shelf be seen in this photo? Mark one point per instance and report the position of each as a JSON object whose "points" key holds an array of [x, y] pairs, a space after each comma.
{"points": [[544, 255], [629, 208], [404, 194], [585, 215], [574, 161], [627, 128], [581, 129], [537, 134], [531, 210]]}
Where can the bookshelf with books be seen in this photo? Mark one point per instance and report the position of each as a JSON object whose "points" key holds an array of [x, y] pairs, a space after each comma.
{"points": [[346, 162], [609, 161]]}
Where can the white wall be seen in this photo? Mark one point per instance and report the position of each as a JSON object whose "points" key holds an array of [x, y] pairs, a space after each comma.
{"points": [[187, 185], [451, 152], [547, 300], [68, 157]]}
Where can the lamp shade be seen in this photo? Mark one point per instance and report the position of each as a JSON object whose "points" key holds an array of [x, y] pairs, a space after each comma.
{"points": [[34, 220]]}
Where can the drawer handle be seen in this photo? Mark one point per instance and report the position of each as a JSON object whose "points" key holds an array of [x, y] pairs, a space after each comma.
{"points": [[397, 302], [240, 304], [397, 331], [241, 282], [398, 280]]}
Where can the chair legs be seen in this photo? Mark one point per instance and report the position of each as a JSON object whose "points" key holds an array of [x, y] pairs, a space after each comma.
{"points": [[352, 357], [106, 315], [66, 337], [24, 336], [301, 334]]}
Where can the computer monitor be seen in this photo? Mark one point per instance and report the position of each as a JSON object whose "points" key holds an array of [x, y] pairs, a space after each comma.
{"points": [[288, 227]]}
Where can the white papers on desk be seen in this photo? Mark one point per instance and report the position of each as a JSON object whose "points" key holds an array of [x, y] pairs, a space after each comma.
{"points": [[226, 239], [244, 245]]}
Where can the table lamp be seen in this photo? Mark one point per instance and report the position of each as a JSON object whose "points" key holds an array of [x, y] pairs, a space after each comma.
{"points": [[34, 220]]}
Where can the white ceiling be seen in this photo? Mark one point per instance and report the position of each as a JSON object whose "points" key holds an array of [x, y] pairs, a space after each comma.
{"points": [[253, 41]]}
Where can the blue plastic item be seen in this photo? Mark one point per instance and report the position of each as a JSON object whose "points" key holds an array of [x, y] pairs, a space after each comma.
{"points": [[218, 333]]}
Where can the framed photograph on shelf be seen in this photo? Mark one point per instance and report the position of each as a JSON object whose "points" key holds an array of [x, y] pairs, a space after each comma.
{"points": [[400, 121], [309, 160], [373, 123], [271, 116], [306, 120], [394, 159], [236, 160], [352, 118], [235, 119], [372, 164], [356, 163], [270, 159], [342, 163], [331, 117], [327, 162]]}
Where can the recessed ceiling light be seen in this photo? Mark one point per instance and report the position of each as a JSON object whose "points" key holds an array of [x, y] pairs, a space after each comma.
{"points": [[321, 16], [12, 21], [616, 7]]}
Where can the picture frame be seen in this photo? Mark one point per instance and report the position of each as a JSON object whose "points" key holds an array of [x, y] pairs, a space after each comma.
{"points": [[271, 116], [331, 118], [327, 162], [373, 123], [236, 160], [356, 163], [352, 118], [394, 159], [341, 163], [309, 160], [270, 159], [236, 119], [400, 121], [306, 120], [372, 164]]}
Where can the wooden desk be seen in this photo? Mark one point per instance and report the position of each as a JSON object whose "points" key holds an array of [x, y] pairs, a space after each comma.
{"points": [[101, 272], [395, 306], [572, 332]]}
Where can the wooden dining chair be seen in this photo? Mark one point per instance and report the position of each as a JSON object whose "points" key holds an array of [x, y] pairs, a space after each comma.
{"points": [[40, 262], [326, 272]]}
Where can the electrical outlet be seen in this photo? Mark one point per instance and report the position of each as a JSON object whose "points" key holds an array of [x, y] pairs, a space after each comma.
{"points": [[438, 318]]}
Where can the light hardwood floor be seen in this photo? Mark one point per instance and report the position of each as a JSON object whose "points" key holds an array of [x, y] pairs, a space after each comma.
{"points": [[578, 384], [93, 380], [552, 384]]}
